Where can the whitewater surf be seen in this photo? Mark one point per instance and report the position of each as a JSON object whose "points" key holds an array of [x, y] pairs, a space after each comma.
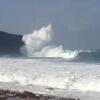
{"points": [[42, 67], [39, 44]]}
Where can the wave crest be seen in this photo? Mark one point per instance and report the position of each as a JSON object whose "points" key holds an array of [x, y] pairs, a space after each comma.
{"points": [[37, 44]]}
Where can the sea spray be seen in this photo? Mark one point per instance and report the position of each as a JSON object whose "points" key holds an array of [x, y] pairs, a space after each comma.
{"points": [[37, 44], [35, 41], [49, 73]]}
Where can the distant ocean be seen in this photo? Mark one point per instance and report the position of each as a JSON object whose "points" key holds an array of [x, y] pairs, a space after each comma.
{"points": [[33, 64]]}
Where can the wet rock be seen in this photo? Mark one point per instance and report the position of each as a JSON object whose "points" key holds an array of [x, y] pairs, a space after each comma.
{"points": [[13, 95]]}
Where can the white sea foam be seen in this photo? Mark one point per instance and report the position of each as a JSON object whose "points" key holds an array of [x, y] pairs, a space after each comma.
{"points": [[37, 44], [67, 77]]}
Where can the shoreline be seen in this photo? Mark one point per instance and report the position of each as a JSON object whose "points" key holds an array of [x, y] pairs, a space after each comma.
{"points": [[26, 95]]}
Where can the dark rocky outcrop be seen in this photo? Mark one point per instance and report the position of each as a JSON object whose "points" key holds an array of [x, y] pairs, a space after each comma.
{"points": [[12, 95], [10, 43]]}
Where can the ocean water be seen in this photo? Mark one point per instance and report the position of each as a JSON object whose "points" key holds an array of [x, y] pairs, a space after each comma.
{"points": [[73, 78], [49, 69]]}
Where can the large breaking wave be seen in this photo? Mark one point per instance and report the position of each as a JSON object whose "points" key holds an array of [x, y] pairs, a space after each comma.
{"points": [[39, 44]]}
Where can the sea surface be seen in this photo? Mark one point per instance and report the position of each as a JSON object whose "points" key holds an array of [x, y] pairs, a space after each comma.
{"points": [[45, 68], [51, 76]]}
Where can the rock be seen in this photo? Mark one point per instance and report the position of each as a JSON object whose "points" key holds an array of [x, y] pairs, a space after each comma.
{"points": [[13, 95], [10, 44]]}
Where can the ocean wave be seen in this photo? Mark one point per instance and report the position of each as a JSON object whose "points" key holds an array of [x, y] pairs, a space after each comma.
{"points": [[62, 75], [38, 44]]}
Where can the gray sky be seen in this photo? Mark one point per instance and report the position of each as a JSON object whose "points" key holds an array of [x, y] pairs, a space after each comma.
{"points": [[76, 23]]}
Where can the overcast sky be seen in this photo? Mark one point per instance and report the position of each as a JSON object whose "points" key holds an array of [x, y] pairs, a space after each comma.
{"points": [[76, 23]]}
